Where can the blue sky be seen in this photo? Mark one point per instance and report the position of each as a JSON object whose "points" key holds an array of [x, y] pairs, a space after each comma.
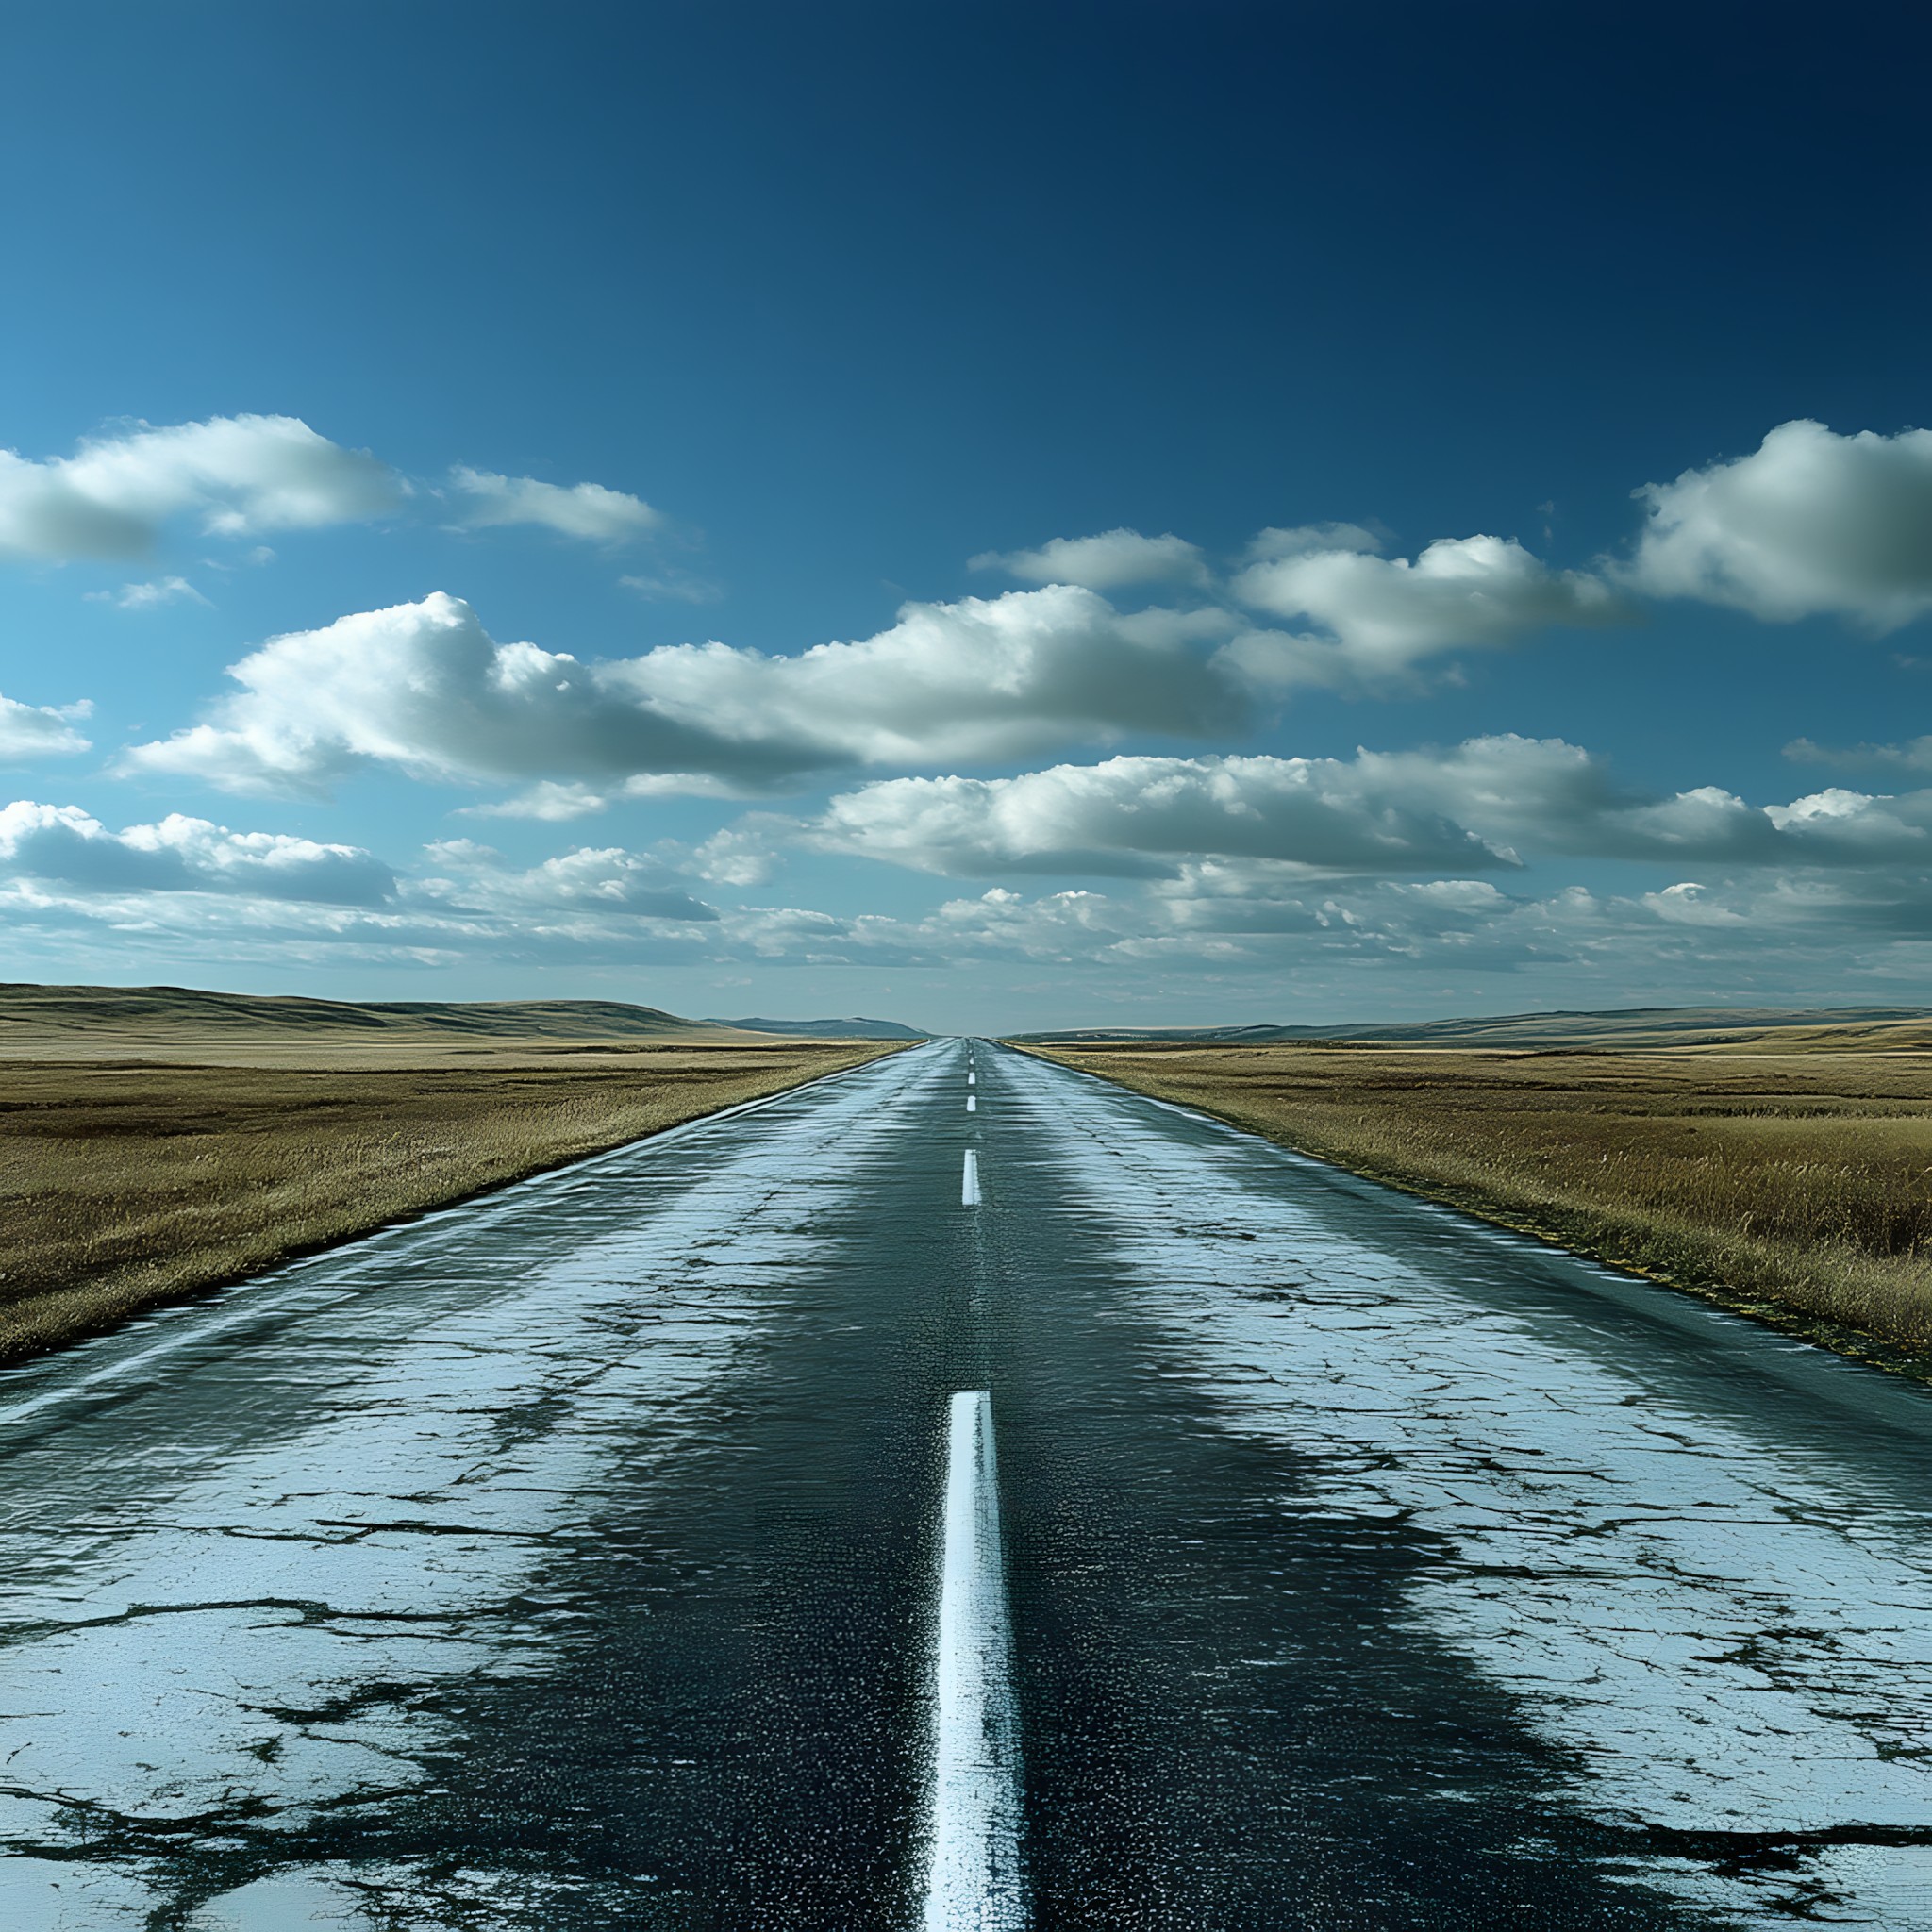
{"points": [[999, 516]]}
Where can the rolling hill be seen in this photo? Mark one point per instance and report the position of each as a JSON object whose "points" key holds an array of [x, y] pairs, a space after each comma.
{"points": [[39, 1015], [828, 1029], [1865, 1028]]}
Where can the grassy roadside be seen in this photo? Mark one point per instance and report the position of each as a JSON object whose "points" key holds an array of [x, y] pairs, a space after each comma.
{"points": [[126, 1183], [1794, 1186]]}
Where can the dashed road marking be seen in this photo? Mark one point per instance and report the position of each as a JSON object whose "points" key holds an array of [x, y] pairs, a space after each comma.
{"points": [[973, 1879]]}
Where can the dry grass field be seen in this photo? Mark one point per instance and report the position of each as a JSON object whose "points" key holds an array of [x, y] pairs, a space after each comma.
{"points": [[142, 1162], [1790, 1176]]}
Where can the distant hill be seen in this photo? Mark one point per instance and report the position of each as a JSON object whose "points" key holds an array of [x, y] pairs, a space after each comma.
{"points": [[828, 1029], [163, 1011], [1844, 1027]]}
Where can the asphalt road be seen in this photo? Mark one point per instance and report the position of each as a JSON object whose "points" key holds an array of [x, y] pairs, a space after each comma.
{"points": [[613, 1553]]}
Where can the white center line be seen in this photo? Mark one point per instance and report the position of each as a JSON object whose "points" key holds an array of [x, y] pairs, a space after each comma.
{"points": [[969, 1181], [972, 1105], [974, 1881], [971, 1077]]}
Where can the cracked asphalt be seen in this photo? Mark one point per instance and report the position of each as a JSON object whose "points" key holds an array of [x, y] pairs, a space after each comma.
{"points": [[566, 1560]]}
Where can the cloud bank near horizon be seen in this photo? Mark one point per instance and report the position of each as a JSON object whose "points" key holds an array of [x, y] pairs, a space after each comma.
{"points": [[1210, 859], [1216, 864]]}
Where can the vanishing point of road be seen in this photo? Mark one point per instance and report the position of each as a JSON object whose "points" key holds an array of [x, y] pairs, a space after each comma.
{"points": [[960, 1494]]}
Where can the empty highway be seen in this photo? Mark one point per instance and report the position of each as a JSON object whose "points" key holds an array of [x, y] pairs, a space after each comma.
{"points": [[960, 1494]]}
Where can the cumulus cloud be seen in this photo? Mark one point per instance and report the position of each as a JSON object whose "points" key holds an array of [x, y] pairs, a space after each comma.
{"points": [[242, 476], [1824, 908], [1247, 921], [1914, 755], [1242, 925], [1236, 923], [605, 879], [1244, 922], [1480, 806], [185, 889], [484, 500], [1378, 616], [184, 855], [549, 801], [1113, 560], [238, 474], [744, 854], [38, 731], [1559, 799], [1308, 539], [1141, 815], [424, 688], [1810, 523], [554, 801], [147, 596]]}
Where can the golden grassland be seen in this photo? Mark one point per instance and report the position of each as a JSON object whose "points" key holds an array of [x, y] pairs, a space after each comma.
{"points": [[1791, 1180], [134, 1177]]}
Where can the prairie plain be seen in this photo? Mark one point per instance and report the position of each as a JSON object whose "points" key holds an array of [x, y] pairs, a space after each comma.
{"points": [[158, 1142], [1788, 1176]]}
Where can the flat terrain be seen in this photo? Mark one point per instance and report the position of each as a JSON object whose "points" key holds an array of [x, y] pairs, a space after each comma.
{"points": [[146, 1155], [569, 1562], [1790, 1175]]}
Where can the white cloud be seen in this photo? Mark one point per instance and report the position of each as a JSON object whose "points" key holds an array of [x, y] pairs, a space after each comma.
{"points": [[242, 476], [1378, 616], [1256, 935], [238, 475], [188, 889], [606, 879], [184, 855], [422, 688], [1271, 942], [38, 731], [1810, 523], [1142, 815], [674, 586], [548, 802], [1306, 539], [1554, 798], [1915, 754], [1271, 935], [1484, 803], [1111, 561], [744, 854], [554, 802], [485, 500], [146, 597]]}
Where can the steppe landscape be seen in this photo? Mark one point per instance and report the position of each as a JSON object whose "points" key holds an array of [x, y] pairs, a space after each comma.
{"points": [[1316, 624], [159, 1141], [1784, 1170]]}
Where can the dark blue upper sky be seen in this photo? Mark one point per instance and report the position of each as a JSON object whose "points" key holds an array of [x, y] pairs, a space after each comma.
{"points": [[854, 293]]}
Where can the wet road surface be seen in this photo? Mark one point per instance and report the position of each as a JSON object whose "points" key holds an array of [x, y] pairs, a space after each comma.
{"points": [[574, 1560]]}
